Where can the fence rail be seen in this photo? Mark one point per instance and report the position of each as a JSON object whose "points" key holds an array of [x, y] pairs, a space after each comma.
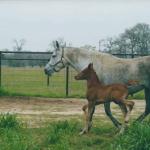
{"points": [[23, 72]]}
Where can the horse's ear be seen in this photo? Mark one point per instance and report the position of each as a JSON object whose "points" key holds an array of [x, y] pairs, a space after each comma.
{"points": [[57, 45], [90, 66]]}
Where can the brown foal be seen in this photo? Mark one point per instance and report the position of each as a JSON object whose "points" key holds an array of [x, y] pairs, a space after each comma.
{"points": [[97, 93]]}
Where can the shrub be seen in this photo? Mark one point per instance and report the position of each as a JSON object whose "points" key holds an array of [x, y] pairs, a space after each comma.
{"points": [[3, 92], [9, 121]]}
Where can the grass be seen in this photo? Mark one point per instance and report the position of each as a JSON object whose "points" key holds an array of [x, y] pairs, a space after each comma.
{"points": [[33, 82], [63, 135], [139, 95], [137, 137], [54, 136]]}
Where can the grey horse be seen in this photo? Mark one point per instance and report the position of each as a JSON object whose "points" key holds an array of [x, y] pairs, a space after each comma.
{"points": [[109, 69]]}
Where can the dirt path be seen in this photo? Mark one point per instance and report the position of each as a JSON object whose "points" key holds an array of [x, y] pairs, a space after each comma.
{"points": [[36, 111]]}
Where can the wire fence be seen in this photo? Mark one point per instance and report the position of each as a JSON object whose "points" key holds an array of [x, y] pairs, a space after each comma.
{"points": [[21, 73]]}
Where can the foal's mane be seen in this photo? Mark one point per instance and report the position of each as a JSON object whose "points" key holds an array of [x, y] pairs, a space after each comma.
{"points": [[96, 79]]}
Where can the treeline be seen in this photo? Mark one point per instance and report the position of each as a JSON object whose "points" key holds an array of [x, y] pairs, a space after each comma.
{"points": [[17, 59], [134, 40]]}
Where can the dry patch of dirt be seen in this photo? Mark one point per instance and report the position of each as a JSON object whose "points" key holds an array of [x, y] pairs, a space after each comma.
{"points": [[36, 111]]}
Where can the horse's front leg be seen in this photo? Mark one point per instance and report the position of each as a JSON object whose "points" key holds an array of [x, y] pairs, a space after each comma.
{"points": [[88, 116], [109, 114], [147, 107]]}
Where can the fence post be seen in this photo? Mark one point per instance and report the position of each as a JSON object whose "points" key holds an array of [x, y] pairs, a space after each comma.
{"points": [[48, 80], [0, 68], [67, 81]]}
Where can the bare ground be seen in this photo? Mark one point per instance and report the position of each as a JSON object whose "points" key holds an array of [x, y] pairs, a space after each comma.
{"points": [[36, 111]]}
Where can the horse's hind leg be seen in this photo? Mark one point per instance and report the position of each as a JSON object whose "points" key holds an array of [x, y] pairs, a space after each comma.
{"points": [[109, 114], [147, 108]]}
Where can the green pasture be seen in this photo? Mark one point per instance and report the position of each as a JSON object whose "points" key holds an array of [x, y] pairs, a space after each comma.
{"points": [[63, 135], [28, 81]]}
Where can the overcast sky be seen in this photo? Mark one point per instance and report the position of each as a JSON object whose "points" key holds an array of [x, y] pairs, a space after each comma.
{"points": [[77, 21]]}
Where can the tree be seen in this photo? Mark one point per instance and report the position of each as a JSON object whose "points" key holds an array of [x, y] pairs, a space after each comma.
{"points": [[52, 44], [106, 45], [135, 40], [89, 47], [19, 45], [142, 38]]}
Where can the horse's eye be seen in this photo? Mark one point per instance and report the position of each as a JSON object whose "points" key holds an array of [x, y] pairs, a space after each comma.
{"points": [[54, 54]]}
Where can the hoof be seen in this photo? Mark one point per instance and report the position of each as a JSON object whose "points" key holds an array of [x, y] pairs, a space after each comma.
{"points": [[121, 131], [89, 127], [119, 127], [81, 133], [84, 131]]}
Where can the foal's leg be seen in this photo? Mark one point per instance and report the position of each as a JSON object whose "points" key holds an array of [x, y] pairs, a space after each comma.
{"points": [[147, 108], [109, 114], [84, 108], [89, 115], [130, 105], [125, 114]]}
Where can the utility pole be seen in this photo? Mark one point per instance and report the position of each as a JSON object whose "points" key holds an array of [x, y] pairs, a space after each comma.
{"points": [[99, 43]]}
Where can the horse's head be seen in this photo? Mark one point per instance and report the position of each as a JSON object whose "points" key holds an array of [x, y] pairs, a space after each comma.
{"points": [[85, 73], [57, 61]]}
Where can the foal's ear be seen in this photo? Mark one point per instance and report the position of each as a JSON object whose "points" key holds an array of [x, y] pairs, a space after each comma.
{"points": [[57, 45], [90, 66]]}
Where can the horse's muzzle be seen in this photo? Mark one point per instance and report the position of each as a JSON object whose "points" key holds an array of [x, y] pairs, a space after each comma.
{"points": [[46, 71]]}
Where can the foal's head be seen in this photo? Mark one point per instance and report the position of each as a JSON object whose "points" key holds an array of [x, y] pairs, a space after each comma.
{"points": [[86, 73]]}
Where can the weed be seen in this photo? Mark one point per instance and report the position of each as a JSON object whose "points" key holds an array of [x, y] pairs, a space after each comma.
{"points": [[9, 121]]}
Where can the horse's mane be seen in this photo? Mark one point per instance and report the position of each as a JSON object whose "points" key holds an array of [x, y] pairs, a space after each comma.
{"points": [[97, 55], [90, 52]]}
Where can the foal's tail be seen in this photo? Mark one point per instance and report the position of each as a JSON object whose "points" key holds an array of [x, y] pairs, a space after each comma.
{"points": [[134, 86], [132, 82]]}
